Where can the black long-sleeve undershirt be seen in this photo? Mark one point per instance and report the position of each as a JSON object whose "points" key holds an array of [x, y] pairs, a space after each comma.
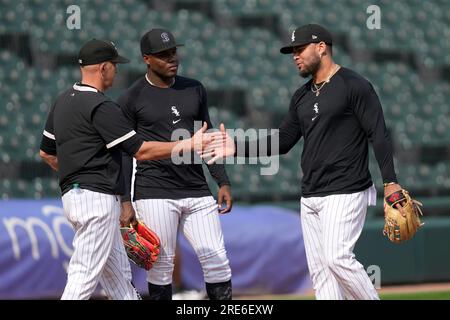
{"points": [[336, 126]]}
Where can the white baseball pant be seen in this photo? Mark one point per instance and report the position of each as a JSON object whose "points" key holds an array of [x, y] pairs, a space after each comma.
{"points": [[331, 226], [198, 219], [99, 254]]}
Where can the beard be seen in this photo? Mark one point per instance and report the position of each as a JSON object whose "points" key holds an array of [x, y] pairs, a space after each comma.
{"points": [[311, 69]]}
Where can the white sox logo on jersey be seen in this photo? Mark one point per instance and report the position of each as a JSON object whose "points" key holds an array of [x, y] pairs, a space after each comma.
{"points": [[316, 111], [176, 113]]}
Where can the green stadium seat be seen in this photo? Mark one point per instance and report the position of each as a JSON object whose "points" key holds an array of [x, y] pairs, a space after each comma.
{"points": [[247, 8], [15, 17], [232, 57], [44, 188]]}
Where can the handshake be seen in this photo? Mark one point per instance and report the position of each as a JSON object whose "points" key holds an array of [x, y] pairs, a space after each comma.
{"points": [[210, 146]]}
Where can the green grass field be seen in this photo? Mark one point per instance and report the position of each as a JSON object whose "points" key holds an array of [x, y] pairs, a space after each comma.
{"points": [[430, 295]]}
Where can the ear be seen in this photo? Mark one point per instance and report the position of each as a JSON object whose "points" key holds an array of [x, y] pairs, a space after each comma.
{"points": [[146, 59], [105, 66], [102, 67], [322, 49]]}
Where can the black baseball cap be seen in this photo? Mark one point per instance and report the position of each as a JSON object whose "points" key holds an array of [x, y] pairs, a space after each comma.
{"points": [[157, 40], [97, 51], [310, 33]]}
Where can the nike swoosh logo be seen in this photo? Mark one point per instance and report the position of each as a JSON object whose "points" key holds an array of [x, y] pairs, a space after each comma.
{"points": [[173, 121]]}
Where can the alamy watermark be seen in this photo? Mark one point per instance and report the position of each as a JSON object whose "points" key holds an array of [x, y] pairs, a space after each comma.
{"points": [[374, 273], [374, 20], [258, 145], [73, 21]]}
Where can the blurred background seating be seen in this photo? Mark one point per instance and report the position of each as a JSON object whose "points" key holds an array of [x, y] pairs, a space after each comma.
{"points": [[233, 48]]}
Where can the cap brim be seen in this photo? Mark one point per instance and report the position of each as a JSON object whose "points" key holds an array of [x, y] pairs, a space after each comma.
{"points": [[168, 48], [290, 48], [287, 50], [120, 59]]}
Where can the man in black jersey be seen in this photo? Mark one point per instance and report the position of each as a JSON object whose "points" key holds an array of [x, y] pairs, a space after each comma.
{"points": [[170, 195], [82, 140], [337, 113]]}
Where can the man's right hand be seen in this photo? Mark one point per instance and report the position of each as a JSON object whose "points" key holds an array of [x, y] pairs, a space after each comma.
{"points": [[127, 215], [202, 139], [219, 148]]}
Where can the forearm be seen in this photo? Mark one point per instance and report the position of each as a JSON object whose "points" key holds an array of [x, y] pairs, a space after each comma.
{"points": [[127, 172], [254, 148], [369, 112], [51, 160], [155, 150], [126, 205], [279, 141], [382, 147], [270, 145], [219, 174]]}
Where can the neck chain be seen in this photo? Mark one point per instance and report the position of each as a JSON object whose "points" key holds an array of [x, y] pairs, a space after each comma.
{"points": [[317, 89]]}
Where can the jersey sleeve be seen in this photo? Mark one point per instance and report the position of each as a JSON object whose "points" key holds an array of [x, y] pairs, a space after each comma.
{"points": [[369, 112], [127, 107], [115, 128], [48, 142], [125, 102], [290, 130], [287, 135]]}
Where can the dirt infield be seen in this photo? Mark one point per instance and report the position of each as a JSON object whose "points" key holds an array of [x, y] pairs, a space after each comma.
{"points": [[423, 287]]}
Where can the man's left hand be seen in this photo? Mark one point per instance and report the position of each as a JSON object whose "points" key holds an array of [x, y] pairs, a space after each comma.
{"points": [[224, 195], [390, 189]]}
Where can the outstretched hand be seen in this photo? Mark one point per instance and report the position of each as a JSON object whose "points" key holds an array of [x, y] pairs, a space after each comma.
{"points": [[201, 139], [218, 148]]}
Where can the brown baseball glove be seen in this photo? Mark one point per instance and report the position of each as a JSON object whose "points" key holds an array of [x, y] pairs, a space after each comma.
{"points": [[401, 223], [141, 245]]}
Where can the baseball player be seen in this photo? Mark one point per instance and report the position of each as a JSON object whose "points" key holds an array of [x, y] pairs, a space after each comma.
{"points": [[83, 138], [337, 113], [171, 196]]}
